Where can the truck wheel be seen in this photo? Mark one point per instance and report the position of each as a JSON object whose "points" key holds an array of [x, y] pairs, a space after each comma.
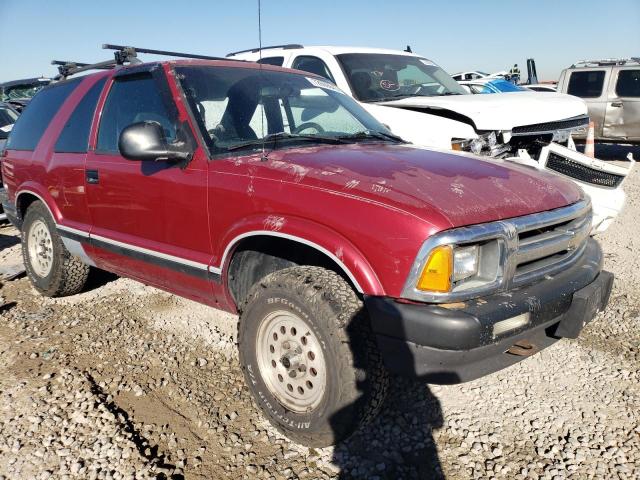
{"points": [[50, 267], [309, 356]]}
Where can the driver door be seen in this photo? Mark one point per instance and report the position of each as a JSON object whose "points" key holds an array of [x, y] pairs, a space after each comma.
{"points": [[149, 219]]}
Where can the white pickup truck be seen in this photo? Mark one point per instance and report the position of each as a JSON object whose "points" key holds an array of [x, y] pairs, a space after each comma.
{"points": [[420, 102]]}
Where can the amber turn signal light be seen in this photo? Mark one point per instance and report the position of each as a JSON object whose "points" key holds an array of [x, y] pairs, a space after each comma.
{"points": [[436, 274]]}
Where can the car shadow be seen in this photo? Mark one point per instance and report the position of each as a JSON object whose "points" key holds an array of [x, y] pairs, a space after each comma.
{"points": [[399, 442], [7, 241], [98, 278]]}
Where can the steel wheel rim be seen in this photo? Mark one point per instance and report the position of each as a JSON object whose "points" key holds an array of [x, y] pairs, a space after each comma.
{"points": [[291, 361], [40, 248]]}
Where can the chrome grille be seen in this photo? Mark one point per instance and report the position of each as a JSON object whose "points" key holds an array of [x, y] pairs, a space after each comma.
{"points": [[547, 245]]}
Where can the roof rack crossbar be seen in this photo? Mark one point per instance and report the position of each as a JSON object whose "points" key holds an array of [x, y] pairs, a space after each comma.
{"points": [[607, 61], [134, 50], [66, 69], [287, 46]]}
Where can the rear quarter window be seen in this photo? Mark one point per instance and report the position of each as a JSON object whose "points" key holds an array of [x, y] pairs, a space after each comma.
{"points": [[74, 137], [35, 119], [628, 84], [586, 84]]}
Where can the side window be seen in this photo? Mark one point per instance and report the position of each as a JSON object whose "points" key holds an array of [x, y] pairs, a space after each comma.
{"points": [[586, 84], [277, 61], [74, 137], [313, 65], [132, 99], [628, 84], [35, 119]]}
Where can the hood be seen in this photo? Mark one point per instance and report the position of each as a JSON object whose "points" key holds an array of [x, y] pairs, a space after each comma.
{"points": [[444, 189], [500, 111]]}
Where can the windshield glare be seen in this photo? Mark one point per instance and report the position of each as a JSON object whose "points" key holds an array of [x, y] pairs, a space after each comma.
{"points": [[377, 77], [236, 106]]}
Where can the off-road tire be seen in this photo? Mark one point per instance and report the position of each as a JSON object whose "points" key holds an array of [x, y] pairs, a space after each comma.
{"points": [[356, 380], [68, 274]]}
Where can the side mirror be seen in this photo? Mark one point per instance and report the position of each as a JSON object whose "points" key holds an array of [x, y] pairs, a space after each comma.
{"points": [[146, 141]]}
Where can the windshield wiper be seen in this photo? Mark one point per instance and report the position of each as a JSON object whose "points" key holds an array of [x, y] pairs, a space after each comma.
{"points": [[445, 94], [369, 134], [273, 137]]}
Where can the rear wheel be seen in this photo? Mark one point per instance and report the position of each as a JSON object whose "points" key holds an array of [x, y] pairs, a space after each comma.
{"points": [[50, 267], [309, 356]]}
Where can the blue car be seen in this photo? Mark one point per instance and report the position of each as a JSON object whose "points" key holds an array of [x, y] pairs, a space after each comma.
{"points": [[491, 85]]}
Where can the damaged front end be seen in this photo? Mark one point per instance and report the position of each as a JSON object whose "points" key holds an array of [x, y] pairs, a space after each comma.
{"points": [[549, 146], [525, 141]]}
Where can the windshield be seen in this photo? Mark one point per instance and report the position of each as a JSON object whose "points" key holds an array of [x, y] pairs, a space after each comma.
{"points": [[377, 77], [22, 91], [238, 107]]}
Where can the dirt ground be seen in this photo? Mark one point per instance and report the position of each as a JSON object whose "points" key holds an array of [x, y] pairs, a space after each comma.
{"points": [[126, 381]]}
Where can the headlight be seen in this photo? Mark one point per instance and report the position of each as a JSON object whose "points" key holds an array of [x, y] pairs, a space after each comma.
{"points": [[465, 262], [452, 268], [447, 266]]}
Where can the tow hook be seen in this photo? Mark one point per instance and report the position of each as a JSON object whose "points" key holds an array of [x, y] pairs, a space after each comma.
{"points": [[523, 348]]}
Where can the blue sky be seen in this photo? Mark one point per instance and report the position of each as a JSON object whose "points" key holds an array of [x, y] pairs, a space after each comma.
{"points": [[488, 35]]}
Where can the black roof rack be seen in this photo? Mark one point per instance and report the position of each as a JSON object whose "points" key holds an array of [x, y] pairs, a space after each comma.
{"points": [[67, 68], [131, 51], [288, 46], [122, 54]]}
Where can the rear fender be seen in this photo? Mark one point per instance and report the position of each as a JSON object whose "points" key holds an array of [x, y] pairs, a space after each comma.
{"points": [[30, 188]]}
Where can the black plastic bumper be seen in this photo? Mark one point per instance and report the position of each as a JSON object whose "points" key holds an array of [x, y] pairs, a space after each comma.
{"points": [[456, 343]]}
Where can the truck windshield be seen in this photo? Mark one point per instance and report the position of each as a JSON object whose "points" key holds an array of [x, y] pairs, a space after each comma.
{"points": [[236, 108], [22, 91], [376, 77]]}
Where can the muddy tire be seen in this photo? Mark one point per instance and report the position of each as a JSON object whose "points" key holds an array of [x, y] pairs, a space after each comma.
{"points": [[309, 356], [50, 267]]}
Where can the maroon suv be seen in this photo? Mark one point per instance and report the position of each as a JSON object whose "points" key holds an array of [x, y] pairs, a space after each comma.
{"points": [[268, 192]]}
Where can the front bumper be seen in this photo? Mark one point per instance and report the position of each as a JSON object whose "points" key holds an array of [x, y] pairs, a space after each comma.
{"points": [[455, 343]]}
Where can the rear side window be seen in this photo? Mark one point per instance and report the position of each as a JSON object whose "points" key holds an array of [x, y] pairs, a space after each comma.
{"points": [[313, 65], [132, 99], [74, 138], [628, 83], [36, 117], [586, 84], [277, 61]]}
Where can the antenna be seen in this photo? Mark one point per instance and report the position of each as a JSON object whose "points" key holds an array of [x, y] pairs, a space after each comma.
{"points": [[264, 155]]}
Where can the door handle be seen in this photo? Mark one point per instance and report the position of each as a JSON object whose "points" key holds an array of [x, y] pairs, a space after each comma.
{"points": [[616, 104], [92, 176]]}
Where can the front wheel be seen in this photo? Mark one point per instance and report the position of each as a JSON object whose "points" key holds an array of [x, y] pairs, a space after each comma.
{"points": [[50, 267], [309, 356]]}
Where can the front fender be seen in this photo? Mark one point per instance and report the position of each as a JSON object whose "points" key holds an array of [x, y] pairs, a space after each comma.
{"points": [[329, 242]]}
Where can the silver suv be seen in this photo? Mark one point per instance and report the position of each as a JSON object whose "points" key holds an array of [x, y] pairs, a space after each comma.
{"points": [[611, 89]]}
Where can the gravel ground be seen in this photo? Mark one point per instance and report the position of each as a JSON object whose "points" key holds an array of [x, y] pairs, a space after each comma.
{"points": [[125, 381]]}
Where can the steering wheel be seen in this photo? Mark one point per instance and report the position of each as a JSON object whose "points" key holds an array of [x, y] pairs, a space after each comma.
{"points": [[300, 128]]}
